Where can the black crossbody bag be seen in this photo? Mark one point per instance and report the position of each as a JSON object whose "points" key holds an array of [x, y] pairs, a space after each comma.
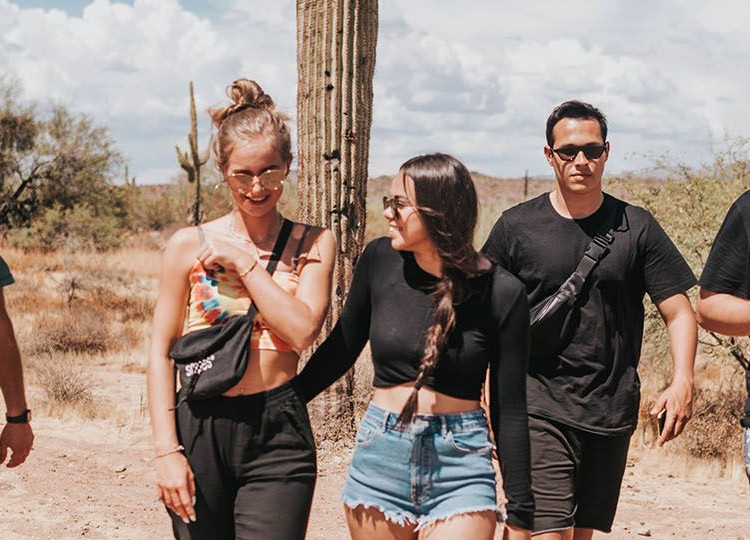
{"points": [[550, 318], [214, 359]]}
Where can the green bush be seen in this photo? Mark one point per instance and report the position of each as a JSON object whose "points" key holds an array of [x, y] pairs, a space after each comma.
{"points": [[79, 227]]}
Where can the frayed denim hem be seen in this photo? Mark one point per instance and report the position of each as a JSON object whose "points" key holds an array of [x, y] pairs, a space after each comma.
{"points": [[399, 518], [430, 520]]}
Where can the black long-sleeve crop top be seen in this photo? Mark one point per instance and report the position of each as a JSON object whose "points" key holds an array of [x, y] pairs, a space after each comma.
{"points": [[391, 303]]}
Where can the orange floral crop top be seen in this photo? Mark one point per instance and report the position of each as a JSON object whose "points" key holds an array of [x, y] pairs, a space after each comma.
{"points": [[216, 295]]}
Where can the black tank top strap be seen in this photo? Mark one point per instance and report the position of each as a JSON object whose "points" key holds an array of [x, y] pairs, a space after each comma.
{"points": [[300, 245]]}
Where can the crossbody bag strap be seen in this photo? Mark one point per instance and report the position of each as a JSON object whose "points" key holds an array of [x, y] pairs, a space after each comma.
{"points": [[278, 249], [597, 249]]}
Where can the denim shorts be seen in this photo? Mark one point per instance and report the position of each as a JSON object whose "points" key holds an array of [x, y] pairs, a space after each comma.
{"points": [[437, 467]]}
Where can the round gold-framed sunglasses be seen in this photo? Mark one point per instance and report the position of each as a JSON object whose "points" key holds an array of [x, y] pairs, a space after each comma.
{"points": [[271, 180]]}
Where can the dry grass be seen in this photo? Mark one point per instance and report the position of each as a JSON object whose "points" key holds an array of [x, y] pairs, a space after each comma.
{"points": [[714, 430], [77, 330], [63, 385], [66, 382], [75, 315], [141, 260]]}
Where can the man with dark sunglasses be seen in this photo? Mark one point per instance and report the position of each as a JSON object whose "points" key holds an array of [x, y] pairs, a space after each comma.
{"points": [[17, 435], [583, 397], [724, 299]]}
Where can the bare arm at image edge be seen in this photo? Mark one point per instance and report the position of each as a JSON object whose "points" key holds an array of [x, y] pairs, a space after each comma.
{"points": [[724, 300], [16, 437], [723, 313]]}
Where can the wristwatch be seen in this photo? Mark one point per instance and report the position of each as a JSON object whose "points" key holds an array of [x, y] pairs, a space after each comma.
{"points": [[23, 418]]}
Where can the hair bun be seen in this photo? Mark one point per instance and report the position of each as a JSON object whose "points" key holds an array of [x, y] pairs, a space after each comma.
{"points": [[247, 92], [244, 94]]}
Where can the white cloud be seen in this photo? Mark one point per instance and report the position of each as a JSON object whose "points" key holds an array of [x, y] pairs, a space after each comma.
{"points": [[477, 79], [665, 74]]}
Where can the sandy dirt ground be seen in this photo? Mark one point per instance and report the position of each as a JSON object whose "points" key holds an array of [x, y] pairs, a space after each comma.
{"points": [[94, 479]]}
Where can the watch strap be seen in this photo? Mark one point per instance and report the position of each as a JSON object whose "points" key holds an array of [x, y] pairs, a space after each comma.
{"points": [[23, 418]]}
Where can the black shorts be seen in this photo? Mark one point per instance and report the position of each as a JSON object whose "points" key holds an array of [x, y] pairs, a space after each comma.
{"points": [[575, 476]]}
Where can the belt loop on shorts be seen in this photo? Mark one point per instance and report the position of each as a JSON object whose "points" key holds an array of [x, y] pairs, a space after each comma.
{"points": [[384, 422], [443, 424]]}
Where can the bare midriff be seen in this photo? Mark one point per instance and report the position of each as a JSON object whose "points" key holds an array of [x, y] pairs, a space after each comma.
{"points": [[430, 402], [266, 369]]}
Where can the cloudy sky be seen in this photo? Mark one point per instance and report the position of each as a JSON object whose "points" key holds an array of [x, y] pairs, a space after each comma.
{"points": [[476, 79]]}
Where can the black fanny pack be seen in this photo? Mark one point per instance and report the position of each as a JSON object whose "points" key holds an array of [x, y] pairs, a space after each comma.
{"points": [[551, 318], [214, 359]]}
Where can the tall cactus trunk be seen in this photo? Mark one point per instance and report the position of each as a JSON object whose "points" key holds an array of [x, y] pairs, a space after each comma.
{"points": [[336, 42]]}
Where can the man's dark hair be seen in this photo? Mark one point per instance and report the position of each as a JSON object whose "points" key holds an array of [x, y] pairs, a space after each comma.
{"points": [[575, 109]]}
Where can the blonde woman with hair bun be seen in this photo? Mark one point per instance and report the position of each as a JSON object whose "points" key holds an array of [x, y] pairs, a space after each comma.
{"points": [[241, 465]]}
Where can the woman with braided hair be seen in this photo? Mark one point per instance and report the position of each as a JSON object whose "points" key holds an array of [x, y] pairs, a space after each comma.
{"points": [[242, 464], [437, 314]]}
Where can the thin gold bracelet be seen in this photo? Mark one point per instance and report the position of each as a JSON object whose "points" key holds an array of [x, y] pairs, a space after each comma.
{"points": [[250, 269], [178, 448]]}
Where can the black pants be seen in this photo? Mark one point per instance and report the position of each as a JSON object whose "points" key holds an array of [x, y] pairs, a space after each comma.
{"points": [[254, 463]]}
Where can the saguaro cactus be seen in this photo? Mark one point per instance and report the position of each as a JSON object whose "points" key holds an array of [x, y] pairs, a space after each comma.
{"points": [[336, 42], [193, 161]]}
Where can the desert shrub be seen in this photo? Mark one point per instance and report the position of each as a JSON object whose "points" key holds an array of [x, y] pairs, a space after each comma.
{"points": [[76, 329], [65, 382], [80, 227], [714, 431], [109, 292], [25, 299], [153, 210], [125, 306]]}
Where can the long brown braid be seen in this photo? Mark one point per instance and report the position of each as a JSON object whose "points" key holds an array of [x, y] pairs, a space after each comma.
{"points": [[446, 200]]}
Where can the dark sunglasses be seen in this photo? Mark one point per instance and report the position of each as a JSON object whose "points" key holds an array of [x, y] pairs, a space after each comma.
{"points": [[271, 180], [591, 151], [395, 204]]}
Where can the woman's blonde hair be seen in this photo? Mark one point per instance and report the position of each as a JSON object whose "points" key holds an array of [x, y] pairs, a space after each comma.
{"points": [[252, 114]]}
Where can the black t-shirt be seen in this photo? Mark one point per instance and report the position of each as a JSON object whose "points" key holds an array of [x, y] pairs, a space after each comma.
{"points": [[6, 278], [727, 269], [593, 382], [391, 303]]}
